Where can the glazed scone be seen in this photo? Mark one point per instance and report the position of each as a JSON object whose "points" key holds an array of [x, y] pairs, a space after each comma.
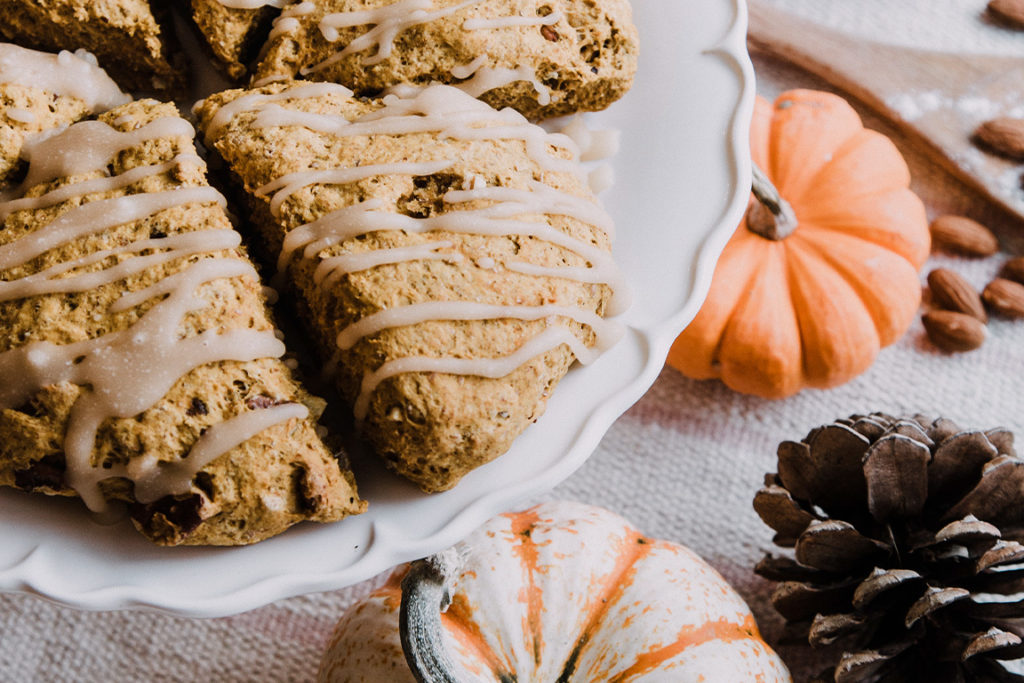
{"points": [[40, 91], [542, 57], [127, 36], [234, 29], [450, 259], [138, 360]]}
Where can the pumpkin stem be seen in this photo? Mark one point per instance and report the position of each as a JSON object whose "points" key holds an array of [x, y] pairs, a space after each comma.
{"points": [[426, 593], [770, 216]]}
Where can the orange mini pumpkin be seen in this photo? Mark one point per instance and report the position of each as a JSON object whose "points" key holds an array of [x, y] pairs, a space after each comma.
{"points": [[807, 292]]}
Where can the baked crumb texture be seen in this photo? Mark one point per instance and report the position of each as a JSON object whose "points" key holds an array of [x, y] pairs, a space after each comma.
{"points": [[234, 34], [542, 57], [130, 38], [120, 273], [444, 255]]}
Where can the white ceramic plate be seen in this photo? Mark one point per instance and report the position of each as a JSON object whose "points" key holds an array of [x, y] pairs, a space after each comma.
{"points": [[681, 179]]}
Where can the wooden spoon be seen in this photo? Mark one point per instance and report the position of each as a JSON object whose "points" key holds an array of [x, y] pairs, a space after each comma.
{"points": [[936, 97]]}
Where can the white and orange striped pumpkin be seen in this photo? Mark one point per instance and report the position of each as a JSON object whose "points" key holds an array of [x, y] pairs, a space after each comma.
{"points": [[562, 592]]}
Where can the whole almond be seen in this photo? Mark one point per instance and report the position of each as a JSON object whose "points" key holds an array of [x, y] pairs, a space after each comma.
{"points": [[1011, 11], [1014, 269], [953, 293], [1003, 136], [952, 331], [961, 235], [1005, 297]]}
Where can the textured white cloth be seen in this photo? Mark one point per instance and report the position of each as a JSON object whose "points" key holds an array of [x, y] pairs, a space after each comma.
{"points": [[683, 464]]}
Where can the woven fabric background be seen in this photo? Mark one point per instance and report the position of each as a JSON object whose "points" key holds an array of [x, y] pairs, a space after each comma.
{"points": [[683, 464]]}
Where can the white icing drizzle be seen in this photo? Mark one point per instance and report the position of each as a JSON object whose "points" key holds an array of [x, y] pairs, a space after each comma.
{"points": [[482, 79], [288, 184], [511, 22], [288, 21], [94, 217], [497, 211], [116, 371], [85, 187], [388, 21], [156, 480], [594, 145], [87, 146], [259, 101], [330, 270], [467, 70], [49, 281], [549, 339], [66, 74], [439, 109], [413, 314], [20, 115]]}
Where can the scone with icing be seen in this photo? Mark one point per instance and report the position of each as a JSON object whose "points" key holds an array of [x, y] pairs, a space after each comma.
{"points": [[543, 57], [234, 29], [450, 259], [30, 103], [138, 361], [128, 37]]}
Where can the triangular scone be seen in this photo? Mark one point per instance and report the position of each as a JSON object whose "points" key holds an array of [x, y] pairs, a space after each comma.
{"points": [[234, 34], [451, 258], [128, 37], [39, 91], [138, 361], [542, 57]]}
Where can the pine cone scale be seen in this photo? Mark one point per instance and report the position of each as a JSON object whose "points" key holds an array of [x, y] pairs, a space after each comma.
{"points": [[779, 511], [958, 459], [884, 584], [896, 468], [1001, 644], [934, 600], [798, 601], [834, 546]]}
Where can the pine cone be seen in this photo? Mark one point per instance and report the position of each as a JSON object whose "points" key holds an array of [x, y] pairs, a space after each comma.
{"points": [[906, 545]]}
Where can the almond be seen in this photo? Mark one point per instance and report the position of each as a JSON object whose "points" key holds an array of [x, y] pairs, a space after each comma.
{"points": [[1011, 11], [1005, 297], [1003, 136], [961, 235], [1014, 269], [952, 331], [953, 293]]}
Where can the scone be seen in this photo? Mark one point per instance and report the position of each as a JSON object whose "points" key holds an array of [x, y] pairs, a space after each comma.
{"points": [[39, 91], [128, 37], [543, 57], [138, 361], [450, 259], [234, 29]]}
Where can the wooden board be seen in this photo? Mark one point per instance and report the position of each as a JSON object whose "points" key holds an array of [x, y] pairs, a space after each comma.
{"points": [[937, 97]]}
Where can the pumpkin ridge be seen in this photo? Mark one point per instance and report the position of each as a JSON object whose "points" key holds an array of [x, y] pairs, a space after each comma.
{"points": [[888, 319], [614, 583], [778, 351], [744, 295], [522, 526], [721, 630], [460, 626], [887, 224], [865, 149], [839, 361], [821, 231], [795, 155]]}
